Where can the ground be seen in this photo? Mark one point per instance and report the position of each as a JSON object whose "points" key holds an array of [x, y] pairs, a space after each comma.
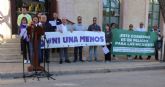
{"points": [[149, 78]]}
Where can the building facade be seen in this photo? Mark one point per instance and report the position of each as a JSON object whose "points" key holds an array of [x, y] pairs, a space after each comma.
{"points": [[121, 12]]}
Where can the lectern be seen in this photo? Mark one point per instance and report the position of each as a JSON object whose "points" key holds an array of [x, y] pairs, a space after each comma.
{"points": [[35, 33]]}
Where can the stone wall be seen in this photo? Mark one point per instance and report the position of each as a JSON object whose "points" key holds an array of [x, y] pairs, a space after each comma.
{"points": [[5, 22], [85, 8], [134, 12]]}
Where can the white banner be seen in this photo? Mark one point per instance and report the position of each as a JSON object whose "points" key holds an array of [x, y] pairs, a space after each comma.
{"points": [[73, 39]]}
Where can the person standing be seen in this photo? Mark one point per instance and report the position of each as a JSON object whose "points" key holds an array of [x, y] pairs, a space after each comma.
{"points": [[108, 36], [25, 40], [158, 43], [24, 14], [47, 28], [19, 19], [31, 34], [55, 22], [94, 28], [130, 29], [78, 50], [140, 29], [63, 51], [113, 26]]}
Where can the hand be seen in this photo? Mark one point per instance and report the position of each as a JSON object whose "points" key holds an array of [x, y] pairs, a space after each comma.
{"points": [[61, 31], [71, 30]]}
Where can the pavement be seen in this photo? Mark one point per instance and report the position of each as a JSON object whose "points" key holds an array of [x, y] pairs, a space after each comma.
{"points": [[11, 66], [14, 70]]}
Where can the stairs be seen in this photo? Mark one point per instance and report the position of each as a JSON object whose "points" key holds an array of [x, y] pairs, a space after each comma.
{"points": [[10, 51]]}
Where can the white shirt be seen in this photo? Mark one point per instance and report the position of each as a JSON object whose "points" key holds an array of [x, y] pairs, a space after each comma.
{"points": [[141, 29], [62, 28], [79, 27]]}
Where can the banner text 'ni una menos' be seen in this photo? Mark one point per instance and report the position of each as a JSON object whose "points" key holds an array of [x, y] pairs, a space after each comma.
{"points": [[73, 39]]}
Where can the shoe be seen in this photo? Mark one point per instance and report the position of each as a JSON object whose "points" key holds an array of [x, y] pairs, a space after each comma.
{"points": [[47, 61], [25, 61], [148, 58], [60, 62], [107, 61], [28, 61], [156, 59], [75, 61], [82, 61], [140, 58], [96, 60], [129, 58], [116, 58], [67, 61], [89, 60], [135, 57]]}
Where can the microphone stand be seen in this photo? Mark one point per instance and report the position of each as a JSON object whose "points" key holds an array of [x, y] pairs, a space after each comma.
{"points": [[46, 73]]}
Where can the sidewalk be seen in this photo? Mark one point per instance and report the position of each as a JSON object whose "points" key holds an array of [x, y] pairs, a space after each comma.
{"points": [[13, 70]]}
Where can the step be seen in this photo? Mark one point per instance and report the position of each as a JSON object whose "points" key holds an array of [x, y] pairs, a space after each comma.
{"points": [[10, 58], [13, 40], [4, 51], [10, 45]]}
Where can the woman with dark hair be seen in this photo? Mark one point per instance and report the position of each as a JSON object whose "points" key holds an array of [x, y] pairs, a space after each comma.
{"points": [[113, 26], [25, 39], [108, 36], [31, 32]]}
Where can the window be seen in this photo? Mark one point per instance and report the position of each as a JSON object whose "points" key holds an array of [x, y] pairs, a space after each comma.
{"points": [[111, 11], [34, 6], [154, 13]]}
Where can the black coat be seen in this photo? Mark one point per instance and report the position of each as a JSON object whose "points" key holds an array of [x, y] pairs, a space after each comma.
{"points": [[47, 27]]}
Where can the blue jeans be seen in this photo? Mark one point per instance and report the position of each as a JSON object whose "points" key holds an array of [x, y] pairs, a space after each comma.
{"points": [[91, 49], [31, 50]]}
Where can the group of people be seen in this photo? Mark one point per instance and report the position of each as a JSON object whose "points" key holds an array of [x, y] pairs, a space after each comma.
{"points": [[157, 43], [28, 25], [30, 30]]}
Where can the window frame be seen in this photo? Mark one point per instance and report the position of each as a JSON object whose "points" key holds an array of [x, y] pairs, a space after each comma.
{"points": [[152, 12], [109, 13]]}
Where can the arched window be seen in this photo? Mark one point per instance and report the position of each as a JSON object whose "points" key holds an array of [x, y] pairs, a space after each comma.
{"points": [[111, 11], [154, 13]]}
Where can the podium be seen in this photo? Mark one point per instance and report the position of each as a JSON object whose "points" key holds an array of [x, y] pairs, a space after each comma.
{"points": [[35, 33]]}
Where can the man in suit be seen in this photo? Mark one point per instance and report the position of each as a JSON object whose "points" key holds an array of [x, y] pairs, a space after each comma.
{"points": [[47, 28], [55, 22]]}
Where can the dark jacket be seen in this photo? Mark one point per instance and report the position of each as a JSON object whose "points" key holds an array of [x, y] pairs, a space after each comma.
{"points": [[94, 27], [47, 27], [108, 37]]}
